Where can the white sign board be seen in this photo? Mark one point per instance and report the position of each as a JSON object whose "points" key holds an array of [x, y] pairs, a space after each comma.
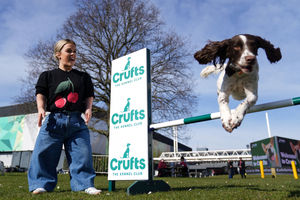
{"points": [[129, 117]]}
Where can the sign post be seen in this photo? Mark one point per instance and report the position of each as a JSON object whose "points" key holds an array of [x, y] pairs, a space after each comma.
{"points": [[130, 138]]}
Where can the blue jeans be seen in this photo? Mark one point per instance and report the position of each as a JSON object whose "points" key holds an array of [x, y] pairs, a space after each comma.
{"points": [[231, 173], [58, 129]]}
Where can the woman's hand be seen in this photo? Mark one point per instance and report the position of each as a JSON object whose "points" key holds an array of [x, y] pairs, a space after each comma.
{"points": [[41, 102], [88, 115], [88, 111], [41, 116]]}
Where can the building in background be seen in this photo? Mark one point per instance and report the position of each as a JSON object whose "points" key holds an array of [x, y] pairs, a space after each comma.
{"points": [[162, 143], [19, 130]]}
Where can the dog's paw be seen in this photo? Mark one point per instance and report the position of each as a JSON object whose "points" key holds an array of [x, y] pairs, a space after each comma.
{"points": [[227, 124], [227, 128], [237, 119]]}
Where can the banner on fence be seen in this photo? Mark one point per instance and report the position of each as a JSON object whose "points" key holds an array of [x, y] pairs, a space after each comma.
{"points": [[267, 151], [289, 150], [276, 152]]}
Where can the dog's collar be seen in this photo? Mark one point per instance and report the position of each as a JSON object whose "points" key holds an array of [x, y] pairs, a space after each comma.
{"points": [[230, 70]]}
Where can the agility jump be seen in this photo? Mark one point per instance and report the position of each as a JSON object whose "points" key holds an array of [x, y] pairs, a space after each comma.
{"points": [[131, 130], [216, 115]]}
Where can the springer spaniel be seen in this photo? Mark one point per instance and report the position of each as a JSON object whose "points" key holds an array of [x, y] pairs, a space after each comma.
{"points": [[239, 76]]}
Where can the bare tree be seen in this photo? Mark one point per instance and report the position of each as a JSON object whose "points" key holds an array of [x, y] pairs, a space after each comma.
{"points": [[108, 29]]}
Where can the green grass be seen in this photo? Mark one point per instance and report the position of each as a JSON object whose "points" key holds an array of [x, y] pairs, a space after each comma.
{"points": [[14, 186]]}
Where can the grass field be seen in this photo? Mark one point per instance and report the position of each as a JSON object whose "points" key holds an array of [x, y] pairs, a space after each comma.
{"points": [[14, 186]]}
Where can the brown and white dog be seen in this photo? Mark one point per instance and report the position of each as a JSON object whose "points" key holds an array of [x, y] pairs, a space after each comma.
{"points": [[239, 76]]}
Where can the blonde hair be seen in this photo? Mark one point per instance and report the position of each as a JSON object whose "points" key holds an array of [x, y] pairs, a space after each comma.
{"points": [[60, 44]]}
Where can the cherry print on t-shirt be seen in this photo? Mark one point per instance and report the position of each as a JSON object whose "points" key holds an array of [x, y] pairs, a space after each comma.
{"points": [[63, 88], [72, 97], [60, 102]]}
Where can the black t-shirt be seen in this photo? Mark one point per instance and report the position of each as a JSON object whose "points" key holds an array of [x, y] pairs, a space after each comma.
{"points": [[65, 91]]}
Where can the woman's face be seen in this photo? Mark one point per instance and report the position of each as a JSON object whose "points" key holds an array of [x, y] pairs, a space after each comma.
{"points": [[67, 55]]}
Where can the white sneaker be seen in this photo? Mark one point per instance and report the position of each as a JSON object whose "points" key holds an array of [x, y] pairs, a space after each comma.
{"points": [[92, 190], [39, 191]]}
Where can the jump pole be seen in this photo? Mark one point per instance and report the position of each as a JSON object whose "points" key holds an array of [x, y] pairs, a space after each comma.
{"points": [[216, 115]]}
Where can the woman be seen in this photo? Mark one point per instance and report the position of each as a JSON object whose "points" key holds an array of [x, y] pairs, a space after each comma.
{"points": [[66, 93], [183, 167], [242, 168], [162, 168]]}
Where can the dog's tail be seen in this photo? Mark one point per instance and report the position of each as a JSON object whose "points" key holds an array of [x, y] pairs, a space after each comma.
{"points": [[211, 69]]}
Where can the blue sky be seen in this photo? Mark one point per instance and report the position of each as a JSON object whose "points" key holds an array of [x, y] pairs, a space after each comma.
{"points": [[24, 23]]}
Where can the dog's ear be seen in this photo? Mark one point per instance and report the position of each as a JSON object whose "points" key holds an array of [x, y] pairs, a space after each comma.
{"points": [[292, 147], [273, 54], [263, 146], [213, 52]]}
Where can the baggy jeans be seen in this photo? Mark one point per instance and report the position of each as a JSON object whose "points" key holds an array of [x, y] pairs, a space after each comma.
{"points": [[58, 129]]}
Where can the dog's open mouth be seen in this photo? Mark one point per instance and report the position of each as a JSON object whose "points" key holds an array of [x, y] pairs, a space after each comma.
{"points": [[246, 69]]}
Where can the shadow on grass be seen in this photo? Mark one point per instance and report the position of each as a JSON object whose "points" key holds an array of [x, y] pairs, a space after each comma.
{"points": [[295, 193], [263, 190], [61, 191], [210, 187]]}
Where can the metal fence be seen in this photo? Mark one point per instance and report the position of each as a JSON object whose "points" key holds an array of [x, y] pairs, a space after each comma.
{"points": [[207, 156], [100, 163]]}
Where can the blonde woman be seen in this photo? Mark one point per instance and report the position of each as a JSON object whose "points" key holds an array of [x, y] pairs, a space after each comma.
{"points": [[66, 93]]}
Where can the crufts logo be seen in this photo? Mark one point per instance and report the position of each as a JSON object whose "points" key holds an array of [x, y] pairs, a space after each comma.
{"points": [[127, 163], [128, 72], [128, 115]]}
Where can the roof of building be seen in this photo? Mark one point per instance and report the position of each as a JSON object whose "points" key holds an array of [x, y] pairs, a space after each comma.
{"points": [[30, 107], [166, 140], [18, 109]]}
